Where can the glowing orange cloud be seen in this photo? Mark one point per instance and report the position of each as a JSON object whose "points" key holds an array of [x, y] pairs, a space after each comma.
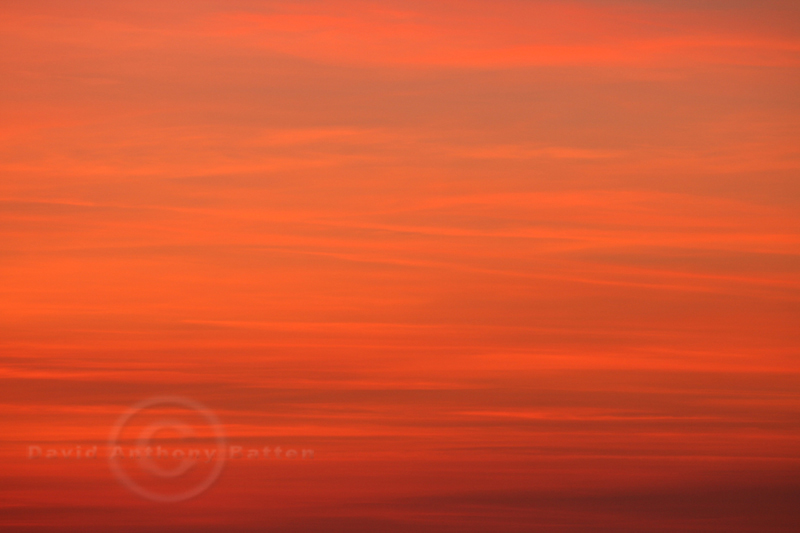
{"points": [[505, 266]]}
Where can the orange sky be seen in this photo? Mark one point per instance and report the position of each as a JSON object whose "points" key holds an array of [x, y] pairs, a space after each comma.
{"points": [[505, 266]]}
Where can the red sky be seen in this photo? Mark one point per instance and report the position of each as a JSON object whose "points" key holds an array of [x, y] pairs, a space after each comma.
{"points": [[505, 266]]}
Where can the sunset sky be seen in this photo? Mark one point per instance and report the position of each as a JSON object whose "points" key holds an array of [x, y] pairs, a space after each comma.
{"points": [[505, 266]]}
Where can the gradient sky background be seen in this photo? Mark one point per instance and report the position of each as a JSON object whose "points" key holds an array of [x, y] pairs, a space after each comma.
{"points": [[504, 265]]}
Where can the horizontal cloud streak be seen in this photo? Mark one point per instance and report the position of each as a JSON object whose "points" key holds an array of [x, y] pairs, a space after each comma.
{"points": [[507, 266]]}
